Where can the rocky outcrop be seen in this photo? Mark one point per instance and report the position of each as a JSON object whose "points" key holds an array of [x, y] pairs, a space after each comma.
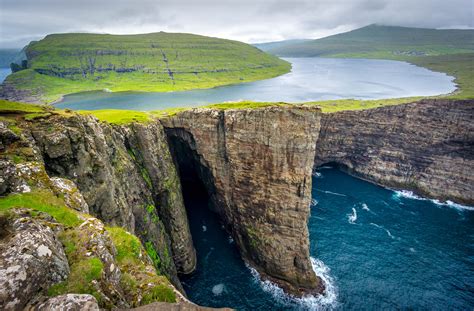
{"points": [[31, 260], [70, 302], [127, 178], [149, 145], [427, 146], [163, 306], [256, 165]]}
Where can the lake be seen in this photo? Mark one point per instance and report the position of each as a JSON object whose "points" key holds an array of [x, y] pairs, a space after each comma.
{"points": [[4, 72], [376, 249], [311, 79]]}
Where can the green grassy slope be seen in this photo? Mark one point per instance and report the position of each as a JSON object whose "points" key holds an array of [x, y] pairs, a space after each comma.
{"points": [[449, 51], [67, 63], [382, 42]]}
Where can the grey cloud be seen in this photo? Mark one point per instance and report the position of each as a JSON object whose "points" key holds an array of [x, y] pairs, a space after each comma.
{"points": [[245, 20]]}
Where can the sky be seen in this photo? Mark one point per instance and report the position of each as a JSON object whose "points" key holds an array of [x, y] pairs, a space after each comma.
{"points": [[22, 21]]}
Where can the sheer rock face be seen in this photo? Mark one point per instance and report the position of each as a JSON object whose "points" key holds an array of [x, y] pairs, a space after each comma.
{"points": [[151, 145], [427, 147], [126, 176], [257, 164]]}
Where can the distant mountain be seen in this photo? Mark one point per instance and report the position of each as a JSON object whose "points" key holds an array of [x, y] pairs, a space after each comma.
{"points": [[8, 56], [266, 46], [375, 41]]}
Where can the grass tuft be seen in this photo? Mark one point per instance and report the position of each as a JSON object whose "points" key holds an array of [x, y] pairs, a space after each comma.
{"points": [[42, 201]]}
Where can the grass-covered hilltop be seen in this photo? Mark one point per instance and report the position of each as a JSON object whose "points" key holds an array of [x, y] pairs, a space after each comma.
{"points": [[379, 41], [62, 64], [447, 50]]}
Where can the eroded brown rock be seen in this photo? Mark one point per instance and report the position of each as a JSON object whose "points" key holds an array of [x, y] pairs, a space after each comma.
{"points": [[427, 146], [257, 166], [127, 178]]}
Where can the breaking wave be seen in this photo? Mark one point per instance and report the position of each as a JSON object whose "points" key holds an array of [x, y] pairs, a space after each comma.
{"points": [[327, 301], [352, 217], [365, 207], [410, 195]]}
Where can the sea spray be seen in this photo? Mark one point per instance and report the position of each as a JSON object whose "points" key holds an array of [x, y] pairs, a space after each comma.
{"points": [[411, 195], [326, 301], [352, 217]]}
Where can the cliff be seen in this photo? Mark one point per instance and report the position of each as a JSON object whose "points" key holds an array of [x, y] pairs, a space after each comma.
{"points": [[256, 166], [83, 195], [258, 177], [426, 147], [109, 166]]}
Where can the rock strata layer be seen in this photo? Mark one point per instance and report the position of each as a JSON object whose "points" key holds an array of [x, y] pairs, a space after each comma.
{"points": [[426, 147], [127, 177], [256, 165]]}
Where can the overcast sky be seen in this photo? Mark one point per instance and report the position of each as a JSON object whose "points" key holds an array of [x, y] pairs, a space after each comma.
{"points": [[246, 20]]}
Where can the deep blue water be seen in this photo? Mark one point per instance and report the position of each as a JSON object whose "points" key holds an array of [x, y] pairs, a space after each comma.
{"points": [[378, 249], [310, 79]]}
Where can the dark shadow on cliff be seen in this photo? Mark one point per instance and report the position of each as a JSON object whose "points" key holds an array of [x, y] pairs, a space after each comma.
{"points": [[196, 180], [194, 176], [340, 166]]}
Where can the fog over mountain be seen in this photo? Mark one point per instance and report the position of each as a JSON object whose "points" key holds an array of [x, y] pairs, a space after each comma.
{"points": [[246, 20]]}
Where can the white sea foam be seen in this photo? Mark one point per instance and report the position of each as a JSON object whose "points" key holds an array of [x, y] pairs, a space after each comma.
{"points": [[389, 233], [365, 207], [458, 206], [383, 228], [410, 195], [317, 175], [218, 289], [328, 301], [352, 217], [330, 192]]}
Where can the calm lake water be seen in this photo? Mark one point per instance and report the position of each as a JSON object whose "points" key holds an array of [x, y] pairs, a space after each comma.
{"points": [[376, 248], [311, 79], [4, 72]]}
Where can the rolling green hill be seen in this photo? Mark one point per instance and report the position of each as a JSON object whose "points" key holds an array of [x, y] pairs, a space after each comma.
{"points": [[449, 51], [66, 63], [379, 41]]}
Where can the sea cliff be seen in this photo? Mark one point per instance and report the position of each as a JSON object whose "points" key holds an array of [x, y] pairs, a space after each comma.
{"points": [[69, 179], [426, 147]]}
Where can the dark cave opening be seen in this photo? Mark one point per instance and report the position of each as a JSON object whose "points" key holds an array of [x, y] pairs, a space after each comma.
{"points": [[221, 277]]}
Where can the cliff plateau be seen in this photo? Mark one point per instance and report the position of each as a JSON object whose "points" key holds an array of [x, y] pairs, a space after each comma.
{"points": [[75, 191]]}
